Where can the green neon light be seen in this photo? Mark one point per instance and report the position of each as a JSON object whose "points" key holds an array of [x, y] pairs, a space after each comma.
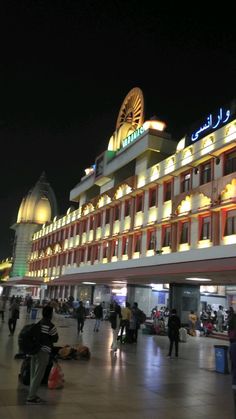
{"points": [[132, 137]]}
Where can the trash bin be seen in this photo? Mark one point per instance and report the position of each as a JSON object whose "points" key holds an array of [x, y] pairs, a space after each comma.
{"points": [[221, 359], [34, 313]]}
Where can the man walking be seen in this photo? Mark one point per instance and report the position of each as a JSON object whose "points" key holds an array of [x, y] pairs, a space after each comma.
{"points": [[173, 332], [2, 307], [14, 314], [98, 311], [80, 314]]}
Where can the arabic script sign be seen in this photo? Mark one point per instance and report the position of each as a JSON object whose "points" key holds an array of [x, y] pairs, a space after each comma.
{"points": [[212, 122]]}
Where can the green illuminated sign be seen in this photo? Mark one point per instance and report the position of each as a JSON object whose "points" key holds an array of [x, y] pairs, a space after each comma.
{"points": [[132, 137]]}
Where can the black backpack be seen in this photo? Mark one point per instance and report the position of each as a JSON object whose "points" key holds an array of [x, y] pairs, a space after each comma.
{"points": [[29, 339], [141, 316]]}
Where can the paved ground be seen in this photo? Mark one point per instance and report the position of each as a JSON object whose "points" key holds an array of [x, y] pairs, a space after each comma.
{"points": [[139, 383]]}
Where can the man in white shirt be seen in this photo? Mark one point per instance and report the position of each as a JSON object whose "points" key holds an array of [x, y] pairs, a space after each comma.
{"points": [[220, 319]]}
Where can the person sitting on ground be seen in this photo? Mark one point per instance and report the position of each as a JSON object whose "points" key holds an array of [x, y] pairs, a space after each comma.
{"points": [[208, 327]]}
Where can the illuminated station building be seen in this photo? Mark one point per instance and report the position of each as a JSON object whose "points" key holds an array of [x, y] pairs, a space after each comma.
{"points": [[153, 213]]}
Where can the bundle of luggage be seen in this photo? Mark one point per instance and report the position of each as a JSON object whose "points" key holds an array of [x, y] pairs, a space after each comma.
{"points": [[73, 352]]}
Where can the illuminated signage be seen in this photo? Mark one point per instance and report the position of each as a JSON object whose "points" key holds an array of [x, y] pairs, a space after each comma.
{"points": [[212, 122], [132, 137]]}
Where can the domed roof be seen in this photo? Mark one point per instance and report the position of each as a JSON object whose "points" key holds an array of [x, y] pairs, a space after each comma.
{"points": [[39, 206]]}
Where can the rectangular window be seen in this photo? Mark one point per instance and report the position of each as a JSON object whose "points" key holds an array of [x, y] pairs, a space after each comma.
{"points": [[184, 233], [99, 218], [84, 225], [70, 258], [153, 197], [205, 228], [205, 173], [151, 240], [166, 236], [137, 243], [105, 250], [139, 203], [185, 182], [230, 225], [82, 254], [107, 217], [167, 191], [116, 212], [125, 243], [89, 253], [115, 248], [91, 222], [77, 228], [127, 207], [95, 252], [230, 163]]}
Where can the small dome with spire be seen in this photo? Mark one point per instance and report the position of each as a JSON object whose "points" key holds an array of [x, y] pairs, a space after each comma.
{"points": [[39, 206]]}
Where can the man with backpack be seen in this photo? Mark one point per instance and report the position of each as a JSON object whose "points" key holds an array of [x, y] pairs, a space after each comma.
{"points": [[138, 317], [40, 360]]}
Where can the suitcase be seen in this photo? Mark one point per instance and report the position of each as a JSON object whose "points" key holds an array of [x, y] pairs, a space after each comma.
{"points": [[183, 334], [24, 375]]}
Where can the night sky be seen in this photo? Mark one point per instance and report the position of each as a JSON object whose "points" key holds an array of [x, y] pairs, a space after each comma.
{"points": [[66, 67]]}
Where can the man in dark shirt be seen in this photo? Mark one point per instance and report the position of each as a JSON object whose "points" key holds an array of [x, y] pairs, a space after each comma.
{"points": [[98, 311], [40, 360], [80, 314], [173, 332]]}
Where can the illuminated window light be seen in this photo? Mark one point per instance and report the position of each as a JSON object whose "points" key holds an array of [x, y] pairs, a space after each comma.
{"points": [[157, 287], [230, 133], [180, 145], [199, 279], [88, 283]]}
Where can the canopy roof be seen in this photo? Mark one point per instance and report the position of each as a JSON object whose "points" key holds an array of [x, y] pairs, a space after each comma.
{"points": [[24, 280]]}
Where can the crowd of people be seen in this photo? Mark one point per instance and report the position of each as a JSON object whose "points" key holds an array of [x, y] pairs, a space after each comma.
{"points": [[125, 324]]}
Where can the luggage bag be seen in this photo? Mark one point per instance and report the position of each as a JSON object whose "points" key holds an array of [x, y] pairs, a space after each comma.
{"points": [[183, 334]]}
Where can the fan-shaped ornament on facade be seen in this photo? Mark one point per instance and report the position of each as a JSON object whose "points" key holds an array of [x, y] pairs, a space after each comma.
{"points": [[130, 118]]}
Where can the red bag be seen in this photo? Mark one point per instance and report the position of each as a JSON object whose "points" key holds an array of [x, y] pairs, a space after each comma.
{"points": [[56, 377]]}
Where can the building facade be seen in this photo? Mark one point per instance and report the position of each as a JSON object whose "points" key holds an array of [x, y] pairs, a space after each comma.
{"points": [[150, 210]]}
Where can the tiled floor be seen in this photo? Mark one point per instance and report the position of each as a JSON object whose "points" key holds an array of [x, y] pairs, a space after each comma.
{"points": [[138, 383]]}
